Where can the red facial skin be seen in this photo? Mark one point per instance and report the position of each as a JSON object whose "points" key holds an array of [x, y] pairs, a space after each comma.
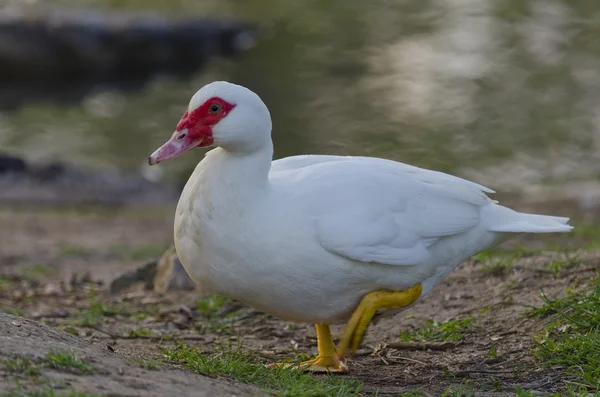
{"points": [[199, 123], [193, 130]]}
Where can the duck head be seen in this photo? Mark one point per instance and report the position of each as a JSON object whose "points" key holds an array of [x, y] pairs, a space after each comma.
{"points": [[219, 114]]}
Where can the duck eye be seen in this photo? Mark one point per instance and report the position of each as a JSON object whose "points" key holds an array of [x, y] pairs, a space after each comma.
{"points": [[215, 108]]}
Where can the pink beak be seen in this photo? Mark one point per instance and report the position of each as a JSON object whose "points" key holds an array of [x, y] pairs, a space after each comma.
{"points": [[179, 143]]}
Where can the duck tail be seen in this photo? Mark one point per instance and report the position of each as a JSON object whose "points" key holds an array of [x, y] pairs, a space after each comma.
{"points": [[503, 219]]}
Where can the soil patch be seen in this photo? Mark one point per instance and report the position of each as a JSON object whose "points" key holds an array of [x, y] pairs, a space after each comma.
{"points": [[111, 372]]}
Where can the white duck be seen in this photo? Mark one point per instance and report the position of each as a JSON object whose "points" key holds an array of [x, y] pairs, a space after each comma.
{"points": [[320, 239]]}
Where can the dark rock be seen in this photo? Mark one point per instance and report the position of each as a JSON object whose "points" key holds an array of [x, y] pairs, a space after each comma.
{"points": [[170, 274], [162, 275], [12, 164], [49, 172], [143, 274], [62, 55]]}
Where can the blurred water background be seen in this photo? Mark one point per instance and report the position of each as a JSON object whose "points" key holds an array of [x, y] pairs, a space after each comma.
{"points": [[504, 92]]}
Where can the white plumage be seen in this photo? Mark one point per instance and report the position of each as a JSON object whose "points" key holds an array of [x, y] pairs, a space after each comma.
{"points": [[306, 237]]}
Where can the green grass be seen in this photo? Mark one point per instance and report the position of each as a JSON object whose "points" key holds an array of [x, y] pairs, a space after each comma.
{"points": [[143, 252], [553, 306], [468, 389], [493, 353], [572, 340], [138, 332], [141, 315], [500, 262], [208, 306], [515, 252], [149, 364], [138, 252], [69, 330], [462, 391], [244, 367], [585, 235], [520, 392], [68, 361], [21, 366], [571, 392], [557, 266], [58, 359], [129, 252], [586, 230], [445, 331], [498, 266], [93, 315], [12, 311], [4, 283], [36, 272], [74, 251]]}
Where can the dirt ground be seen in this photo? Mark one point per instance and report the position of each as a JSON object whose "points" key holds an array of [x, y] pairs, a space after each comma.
{"points": [[114, 374], [56, 262]]}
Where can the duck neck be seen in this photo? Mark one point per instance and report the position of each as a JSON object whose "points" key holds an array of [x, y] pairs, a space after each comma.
{"points": [[245, 171]]}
